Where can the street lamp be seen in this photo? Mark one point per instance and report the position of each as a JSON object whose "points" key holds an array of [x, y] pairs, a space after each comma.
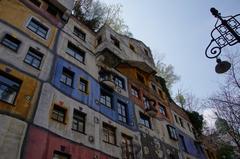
{"points": [[223, 34]]}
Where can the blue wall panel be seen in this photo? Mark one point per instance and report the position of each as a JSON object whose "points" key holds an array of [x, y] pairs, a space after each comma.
{"points": [[113, 112], [94, 93], [74, 92], [191, 146]]}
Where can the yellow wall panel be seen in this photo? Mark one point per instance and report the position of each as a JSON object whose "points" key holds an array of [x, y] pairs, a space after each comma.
{"points": [[26, 98], [19, 17]]}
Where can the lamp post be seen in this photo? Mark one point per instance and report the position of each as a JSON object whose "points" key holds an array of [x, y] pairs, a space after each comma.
{"points": [[227, 33]]}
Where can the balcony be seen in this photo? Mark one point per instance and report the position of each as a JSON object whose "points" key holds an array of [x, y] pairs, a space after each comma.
{"points": [[107, 59], [63, 4], [106, 77], [151, 109]]}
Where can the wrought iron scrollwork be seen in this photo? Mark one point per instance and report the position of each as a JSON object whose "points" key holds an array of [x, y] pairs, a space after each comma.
{"points": [[214, 51], [226, 33]]}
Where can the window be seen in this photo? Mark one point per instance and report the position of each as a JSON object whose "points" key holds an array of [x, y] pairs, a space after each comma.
{"points": [[75, 52], [154, 88], [163, 110], [9, 87], [181, 122], [172, 132], [146, 102], [33, 58], [145, 120], [182, 143], [176, 118], [122, 111], [109, 134], [146, 52], [135, 91], [127, 147], [67, 77], [106, 99], [59, 113], [115, 41], [11, 42], [132, 47], [160, 93], [78, 123], [140, 78], [36, 2], [119, 82], [60, 155], [99, 40], [52, 10], [83, 85], [189, 127], [38, 28], [79, 33]]}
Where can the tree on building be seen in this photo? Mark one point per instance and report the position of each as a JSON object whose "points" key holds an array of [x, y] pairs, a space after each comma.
{"points": [[197, 121], [188, 101], [167, 72], [95, 14]]}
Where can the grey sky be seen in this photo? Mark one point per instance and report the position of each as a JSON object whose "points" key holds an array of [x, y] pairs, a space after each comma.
{"points": [[180, 29]]}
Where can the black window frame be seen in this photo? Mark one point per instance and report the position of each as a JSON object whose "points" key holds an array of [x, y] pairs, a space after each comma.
{"points": [[122, 112], [67, 74], [146, 52], [189, 127], [75, 52], [181, 122], [79, 33], [144, 119], [32, 56], [51, 9], [99, 40], [9, 41], [36, 2], [37, 27], [79, 117], [163, 110], [115, 41], [109, 130], [154, 88], [146, 102], [62, 154], [104, 95], [172, 132], [119, 82], [15, 86], [83, 85], [160, 93], [141, 78], [135, 92], [132, 47], [127, 144], [176, 118], [59, 113]]}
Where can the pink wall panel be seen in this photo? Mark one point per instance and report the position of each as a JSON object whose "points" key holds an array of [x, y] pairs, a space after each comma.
{"points": [[41, 144]]}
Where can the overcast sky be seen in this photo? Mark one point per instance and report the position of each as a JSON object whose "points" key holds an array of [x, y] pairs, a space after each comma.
{"points": [[180, 29]]}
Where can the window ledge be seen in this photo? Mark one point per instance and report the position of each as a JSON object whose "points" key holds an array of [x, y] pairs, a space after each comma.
{"points": [[65, 84], [110, 143], [59, 121], [9, 47], [83, 133]]}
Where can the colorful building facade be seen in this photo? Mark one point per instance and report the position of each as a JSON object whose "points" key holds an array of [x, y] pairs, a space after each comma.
{"points": [[67, 92]]}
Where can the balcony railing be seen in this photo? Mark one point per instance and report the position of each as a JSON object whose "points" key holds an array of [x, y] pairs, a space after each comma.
{"points": [[107, 77], [151, 109]]}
